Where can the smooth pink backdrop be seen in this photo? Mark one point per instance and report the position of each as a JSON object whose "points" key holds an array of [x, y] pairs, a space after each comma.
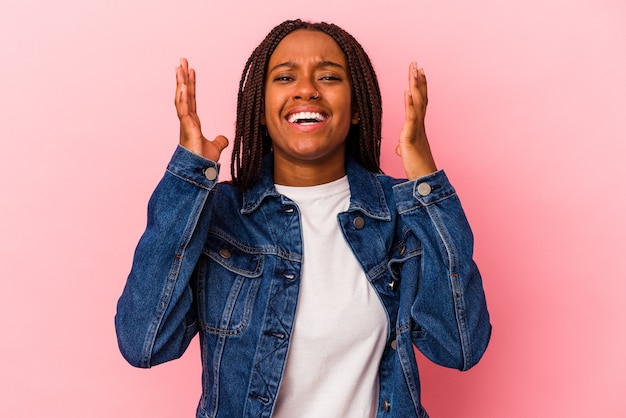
{"points": [[527, 116]]}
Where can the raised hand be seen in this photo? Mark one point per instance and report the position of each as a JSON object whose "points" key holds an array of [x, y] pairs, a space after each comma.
{"points": [[190, 131], [413, 147]]}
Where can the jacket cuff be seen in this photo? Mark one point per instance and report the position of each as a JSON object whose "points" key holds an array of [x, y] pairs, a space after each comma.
{"points": [[193, 168], [423, 191]]}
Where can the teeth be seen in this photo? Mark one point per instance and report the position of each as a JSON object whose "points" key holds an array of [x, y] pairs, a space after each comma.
{"points": [[306, 116]]}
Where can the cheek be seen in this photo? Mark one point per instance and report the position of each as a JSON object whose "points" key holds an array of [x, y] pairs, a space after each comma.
{"points": [[348, 102], [270, 109], [349, 109]]}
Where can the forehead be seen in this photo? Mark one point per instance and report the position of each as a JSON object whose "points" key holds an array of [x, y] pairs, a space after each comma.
{"points": [[307, 45]]}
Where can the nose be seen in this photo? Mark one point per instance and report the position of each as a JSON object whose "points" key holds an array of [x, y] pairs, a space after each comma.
{"points": [[306, 90]]}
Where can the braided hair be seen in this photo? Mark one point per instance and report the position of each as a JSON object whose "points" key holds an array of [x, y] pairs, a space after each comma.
{"points": [[252, 141]]}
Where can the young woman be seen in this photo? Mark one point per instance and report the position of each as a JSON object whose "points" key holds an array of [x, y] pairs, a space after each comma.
{"points": [[311, 275]]}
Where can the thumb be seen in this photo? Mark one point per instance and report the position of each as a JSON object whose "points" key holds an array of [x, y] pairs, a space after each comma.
{"points": [[221, 142]]}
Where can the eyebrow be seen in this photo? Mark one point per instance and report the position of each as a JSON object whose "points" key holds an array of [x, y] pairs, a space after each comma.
{"points": [[290, 64]]}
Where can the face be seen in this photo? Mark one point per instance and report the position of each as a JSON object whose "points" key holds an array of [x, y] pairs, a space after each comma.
{"points": [[307, 108]]}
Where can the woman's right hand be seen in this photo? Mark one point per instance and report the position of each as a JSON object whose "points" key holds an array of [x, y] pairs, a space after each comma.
{"points": [[190, 132]]}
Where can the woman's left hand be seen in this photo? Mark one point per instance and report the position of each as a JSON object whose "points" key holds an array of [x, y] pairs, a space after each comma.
{"points": [[413, 147]]}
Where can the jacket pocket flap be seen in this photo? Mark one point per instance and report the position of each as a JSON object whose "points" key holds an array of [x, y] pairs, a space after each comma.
{"points": [[248, 263]]}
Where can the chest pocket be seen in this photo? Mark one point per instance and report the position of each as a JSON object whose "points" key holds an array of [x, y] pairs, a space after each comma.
{"points": [[227, 284]]}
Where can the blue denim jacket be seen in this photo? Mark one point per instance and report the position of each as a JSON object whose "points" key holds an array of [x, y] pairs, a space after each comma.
{"points": [[227, 264]]}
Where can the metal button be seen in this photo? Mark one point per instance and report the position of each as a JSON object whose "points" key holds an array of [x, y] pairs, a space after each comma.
{"points": [[224, 253], [394, 343], [424, 189], [387, 405], [210, 173], [392, 285], [358, 222]]}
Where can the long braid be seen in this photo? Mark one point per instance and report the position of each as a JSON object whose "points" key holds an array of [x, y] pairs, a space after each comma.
{"points": [[252, 141]]}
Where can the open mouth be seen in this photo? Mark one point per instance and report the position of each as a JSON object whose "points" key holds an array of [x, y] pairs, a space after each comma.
{"points": [[306, 118]]}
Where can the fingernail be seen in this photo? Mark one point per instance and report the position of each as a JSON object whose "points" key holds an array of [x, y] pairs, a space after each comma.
{"points": [[414, 68]]}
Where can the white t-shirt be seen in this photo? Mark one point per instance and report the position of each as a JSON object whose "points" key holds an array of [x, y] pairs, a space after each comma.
{"points": [[340, 326]]}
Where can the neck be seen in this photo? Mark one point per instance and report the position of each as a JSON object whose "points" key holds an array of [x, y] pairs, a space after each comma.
{"points": [[303, 173]]}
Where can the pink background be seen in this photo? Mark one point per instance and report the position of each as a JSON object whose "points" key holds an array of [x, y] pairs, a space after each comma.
{"points": [[527, 115]]}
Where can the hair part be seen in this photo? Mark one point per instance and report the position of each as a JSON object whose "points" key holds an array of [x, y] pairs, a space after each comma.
{"points": [[252, 140]]}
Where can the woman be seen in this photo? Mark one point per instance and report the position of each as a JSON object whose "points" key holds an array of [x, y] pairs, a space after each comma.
{"points": [[310, 276]]}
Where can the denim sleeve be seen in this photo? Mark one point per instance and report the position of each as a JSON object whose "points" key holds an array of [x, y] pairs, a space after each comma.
{"points": [[155, 318], [450, 321]]}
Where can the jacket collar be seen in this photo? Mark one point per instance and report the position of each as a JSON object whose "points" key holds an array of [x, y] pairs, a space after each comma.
{"points": [[366, 192]]}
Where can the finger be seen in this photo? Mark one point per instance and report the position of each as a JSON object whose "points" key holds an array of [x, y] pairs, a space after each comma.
{"points": [[182, 73], [180, 99], [410, 113], [191, 92], [184, 63], [409, 127], [417, 85], [422, 85]]}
